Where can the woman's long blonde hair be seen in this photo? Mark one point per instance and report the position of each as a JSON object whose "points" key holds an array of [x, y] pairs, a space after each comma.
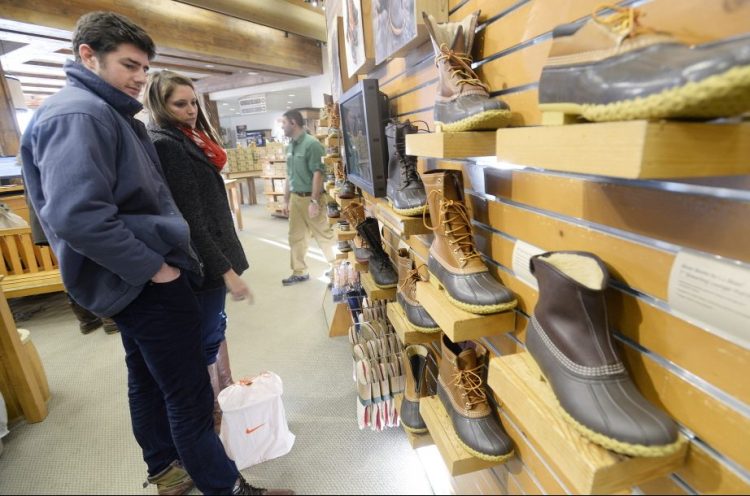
{"points": [[159, 88]]}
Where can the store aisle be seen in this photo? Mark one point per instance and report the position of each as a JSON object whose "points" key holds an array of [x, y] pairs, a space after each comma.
{"points": [[86, 445]]}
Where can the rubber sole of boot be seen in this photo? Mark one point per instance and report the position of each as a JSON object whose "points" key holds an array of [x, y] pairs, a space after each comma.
{"points": [[487, 120], [425, 330], [387, 286], [478, 309], [443, 396], [408, 212], [413, 430], [721, 95], [609, 443]]}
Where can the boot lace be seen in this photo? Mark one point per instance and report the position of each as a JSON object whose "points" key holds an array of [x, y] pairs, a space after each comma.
{"points": [[469, 382], [411, 279], [625, 21], [460, 64], [354, 213], [454, 214]]}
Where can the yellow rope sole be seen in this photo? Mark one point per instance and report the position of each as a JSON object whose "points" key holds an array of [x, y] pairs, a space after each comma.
{"points": [[721, 95], [425, 330], [410, 212], [389, 286], [611, 443], [484, 456], [478, 309], [413, 430], [487, 120]]}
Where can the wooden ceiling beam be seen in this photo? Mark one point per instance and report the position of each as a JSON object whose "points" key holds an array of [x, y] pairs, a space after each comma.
{"points": [[291, 17], [185, 30]]}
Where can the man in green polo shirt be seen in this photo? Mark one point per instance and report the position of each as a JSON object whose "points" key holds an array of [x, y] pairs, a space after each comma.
{"points": [[304, 186]]}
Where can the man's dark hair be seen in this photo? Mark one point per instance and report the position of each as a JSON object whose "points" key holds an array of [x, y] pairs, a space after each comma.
{"points": [[105, 31], [295, 116]]}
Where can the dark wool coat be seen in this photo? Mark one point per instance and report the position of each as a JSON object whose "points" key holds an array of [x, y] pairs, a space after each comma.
{"points": [[198, 189]]}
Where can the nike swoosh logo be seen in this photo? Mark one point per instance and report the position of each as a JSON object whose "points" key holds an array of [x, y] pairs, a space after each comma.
{"points": [[250, 431]]}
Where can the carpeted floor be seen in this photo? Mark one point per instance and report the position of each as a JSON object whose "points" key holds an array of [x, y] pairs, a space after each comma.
{"points": [[86, 446]]}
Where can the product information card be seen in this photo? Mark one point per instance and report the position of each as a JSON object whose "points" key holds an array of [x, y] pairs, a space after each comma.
{"points": [[522, 252], [715, 292]]}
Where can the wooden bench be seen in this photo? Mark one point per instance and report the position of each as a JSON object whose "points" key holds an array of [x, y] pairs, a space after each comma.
{"points": [[27, 269]]}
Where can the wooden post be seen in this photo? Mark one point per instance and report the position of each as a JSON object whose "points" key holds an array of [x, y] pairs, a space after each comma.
{"points": [[24, 385], [9, 133]]}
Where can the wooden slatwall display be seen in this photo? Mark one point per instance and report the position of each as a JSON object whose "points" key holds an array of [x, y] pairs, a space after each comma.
{"points": [[637, 227]]}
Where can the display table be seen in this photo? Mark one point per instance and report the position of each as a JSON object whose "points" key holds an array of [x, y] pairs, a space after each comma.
{"points": [[234, 200], [249, 177]]}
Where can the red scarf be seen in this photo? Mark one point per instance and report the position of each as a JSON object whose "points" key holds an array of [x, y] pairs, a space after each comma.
{"points": [[213, 151]]}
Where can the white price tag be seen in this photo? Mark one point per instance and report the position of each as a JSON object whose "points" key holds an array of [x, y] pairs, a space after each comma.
{"points": [[522, 252], [713, 291]]}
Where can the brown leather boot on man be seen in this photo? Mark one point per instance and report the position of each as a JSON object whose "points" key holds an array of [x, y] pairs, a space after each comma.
{"points": [[406, 296], [454, 262], [110, 326], [87, 321], [462, 102], [571, 341], [462, 391], [173, 480]]}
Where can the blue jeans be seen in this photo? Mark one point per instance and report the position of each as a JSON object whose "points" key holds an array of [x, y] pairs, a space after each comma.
{"points": [[171, 400], [213, 321]]}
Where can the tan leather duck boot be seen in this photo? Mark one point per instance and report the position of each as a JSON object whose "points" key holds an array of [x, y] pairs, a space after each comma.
{"points": [[173, 480], [354, 213], [462, 102], [454, 262], [421, 371], [463, 392], [615, 68], [571, 341], [406, 296]]}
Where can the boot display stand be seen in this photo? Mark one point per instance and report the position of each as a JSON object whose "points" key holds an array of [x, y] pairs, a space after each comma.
{"points": [[588, 468], [405, 332], [452, 145], [404, 226]]}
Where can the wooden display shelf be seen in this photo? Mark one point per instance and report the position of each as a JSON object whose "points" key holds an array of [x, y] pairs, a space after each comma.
{"points": [[334, 220], [403, 225], [357, 266], [451, 145], [273, 193], [415, 440], [344, 202], [458, 324], [458, 460], [273, 177], [373, 291], [331, 159], [406, 333], [332, 141], [345, 235], [591, 469], [632, 149]]}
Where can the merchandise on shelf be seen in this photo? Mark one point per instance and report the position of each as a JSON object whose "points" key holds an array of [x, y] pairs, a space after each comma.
{"points": [[354, 213], [380, 266], [404, 187], [614, 68], [406, 296], [462, 389], [463, 101], [421, 370], [571, 341], [454, 262]]}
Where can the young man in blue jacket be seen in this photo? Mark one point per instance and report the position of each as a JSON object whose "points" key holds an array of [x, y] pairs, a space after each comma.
{"points": [[95, 181]]}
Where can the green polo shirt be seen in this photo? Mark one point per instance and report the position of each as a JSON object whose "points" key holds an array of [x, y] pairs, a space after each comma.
{"points": [[302, 160]]}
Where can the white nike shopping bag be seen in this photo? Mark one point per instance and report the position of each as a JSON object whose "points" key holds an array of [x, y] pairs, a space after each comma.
{"points": [[253, 424]]}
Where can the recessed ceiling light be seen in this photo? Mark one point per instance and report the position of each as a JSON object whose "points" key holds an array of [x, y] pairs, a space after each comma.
{"points": [[253, 73], [225, 103], [209, 66], [291, 95], [231, 109], [288, 102]]}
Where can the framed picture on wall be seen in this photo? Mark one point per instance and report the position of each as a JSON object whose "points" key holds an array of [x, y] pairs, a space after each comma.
{"points": [[341, 77], [333, 58], [360, 53], [398, 25]]}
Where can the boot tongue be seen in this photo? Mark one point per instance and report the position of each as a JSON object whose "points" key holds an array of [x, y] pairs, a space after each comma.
{"points": [[467, 359]]}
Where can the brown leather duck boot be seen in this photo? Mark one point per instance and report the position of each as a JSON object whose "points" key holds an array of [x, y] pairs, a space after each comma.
{"points": [[462, 391], [462, 102], [421, 371], [570, 339], [87, 321], [173, 480], [406, 296], [454, 262], [404, 189]]}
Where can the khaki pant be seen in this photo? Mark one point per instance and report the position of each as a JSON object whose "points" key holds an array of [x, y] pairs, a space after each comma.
{"points": [[301, 226]]}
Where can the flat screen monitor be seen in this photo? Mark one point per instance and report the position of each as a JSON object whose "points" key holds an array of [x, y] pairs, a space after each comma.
{"points": [[364, 112]]}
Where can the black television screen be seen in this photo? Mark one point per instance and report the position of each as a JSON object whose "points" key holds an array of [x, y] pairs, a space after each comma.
{"points": [[364, 112]]}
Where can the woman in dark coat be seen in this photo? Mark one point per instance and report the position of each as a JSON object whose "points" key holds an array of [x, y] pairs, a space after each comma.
{"points": [[192, 159]]}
